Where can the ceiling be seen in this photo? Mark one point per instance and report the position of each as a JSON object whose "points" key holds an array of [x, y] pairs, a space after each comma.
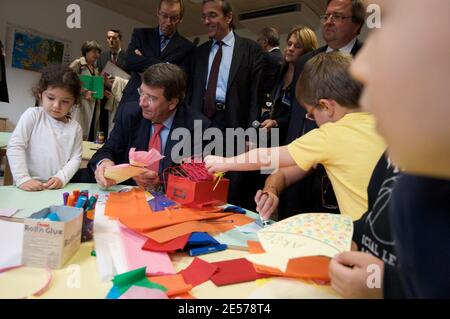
{"points": [[145, 11]]}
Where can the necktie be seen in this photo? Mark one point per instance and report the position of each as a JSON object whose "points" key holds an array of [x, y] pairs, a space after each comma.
{"points": [[156, 144], [164, 42], [210, 94], [114, 57]]}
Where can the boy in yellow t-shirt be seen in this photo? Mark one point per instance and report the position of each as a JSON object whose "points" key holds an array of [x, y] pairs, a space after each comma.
{"points": [[346, 142]]}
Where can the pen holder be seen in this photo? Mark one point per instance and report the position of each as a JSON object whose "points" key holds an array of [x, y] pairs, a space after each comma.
{"points": [[87, 233]]}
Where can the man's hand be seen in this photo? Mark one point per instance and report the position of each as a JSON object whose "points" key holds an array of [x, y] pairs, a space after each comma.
{"points": [[349, 272], [102, 181], [266, 203], [53, 183], [32, 186], [148, 179], [138, 52], [268, 124]]}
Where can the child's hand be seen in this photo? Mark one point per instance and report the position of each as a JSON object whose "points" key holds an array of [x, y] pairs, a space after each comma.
{"points": [[266, 204], [216, 164], [32, 186], [53, 183], [349, 272]]}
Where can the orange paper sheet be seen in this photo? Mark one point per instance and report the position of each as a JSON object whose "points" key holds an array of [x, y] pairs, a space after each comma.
{"points": [[220, 225], [129, 203], [175, 284], [315, 267], [144, 222]]}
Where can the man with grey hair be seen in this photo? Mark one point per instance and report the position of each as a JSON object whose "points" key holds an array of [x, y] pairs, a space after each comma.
{"points": [[269, 40], [149, 124], [150, 46]]}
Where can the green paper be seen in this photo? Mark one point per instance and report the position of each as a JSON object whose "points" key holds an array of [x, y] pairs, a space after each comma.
{"points": [[94, 84], [135, 278]]}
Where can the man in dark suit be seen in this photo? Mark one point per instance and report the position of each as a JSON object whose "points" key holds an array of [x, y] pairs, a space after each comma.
{"points": [[269, 40], [225, 86], [115, 54], [151, 123], [161, 44], [341, 24], [3, 87]]}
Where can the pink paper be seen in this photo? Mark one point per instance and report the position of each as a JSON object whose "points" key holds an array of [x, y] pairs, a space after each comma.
{"points": [[157, 263], [8, 212], [144, 159], [136, 292]]}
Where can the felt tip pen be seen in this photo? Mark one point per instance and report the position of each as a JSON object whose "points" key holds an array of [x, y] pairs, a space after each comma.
{"points": [[76, 194], [71, 200], [65, 198], [81, 202], [92, 202], [206, 250]]}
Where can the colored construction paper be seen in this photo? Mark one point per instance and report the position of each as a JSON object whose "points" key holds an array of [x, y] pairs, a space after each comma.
{"points": [[175, 284], [171, 246], [142, 221], [11, 240], [135, 277], [132, 203], [144, 159], [160, 202], [121, 173], [8, 212], [198, 272], [219, 225], [136, 292], [235, 271], [314, 267], [236, 239], [156, 263], [332, 230], [249, 228], [201, 239], [114, 293], [303, 235]]}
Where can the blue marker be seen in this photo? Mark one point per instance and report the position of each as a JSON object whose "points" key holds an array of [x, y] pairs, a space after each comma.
{"points": [[206, 250], [81, 202]]}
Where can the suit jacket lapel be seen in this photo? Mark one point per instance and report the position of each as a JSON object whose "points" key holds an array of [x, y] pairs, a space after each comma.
{"points": [[235, 63], [173, 45], [143, 135], [204, 56]]}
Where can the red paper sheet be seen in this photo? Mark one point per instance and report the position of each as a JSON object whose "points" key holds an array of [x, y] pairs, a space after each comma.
{"points": [[235, 271], [198, 272], [170, 246]]}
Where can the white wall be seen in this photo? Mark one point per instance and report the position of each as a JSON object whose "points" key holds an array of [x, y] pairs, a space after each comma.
{"points": [[49, 17]]}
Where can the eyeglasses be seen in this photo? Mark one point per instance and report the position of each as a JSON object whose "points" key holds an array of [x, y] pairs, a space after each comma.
{"points": [[310, 116], [334, 17], [173, 19], [148, 99]]}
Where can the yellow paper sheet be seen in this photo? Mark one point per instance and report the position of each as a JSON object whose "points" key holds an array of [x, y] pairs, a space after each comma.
{"points": [[121, 173]]}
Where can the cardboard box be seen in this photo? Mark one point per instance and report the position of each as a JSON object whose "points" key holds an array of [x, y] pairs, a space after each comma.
{"points": [[48, 243], [197, 194]]}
